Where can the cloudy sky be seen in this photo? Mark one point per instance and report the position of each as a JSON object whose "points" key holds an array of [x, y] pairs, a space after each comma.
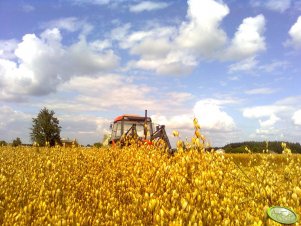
{"points": [[235, 65]]}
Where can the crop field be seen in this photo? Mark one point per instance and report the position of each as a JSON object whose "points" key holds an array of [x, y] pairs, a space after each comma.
{"points": [[143, 185]]}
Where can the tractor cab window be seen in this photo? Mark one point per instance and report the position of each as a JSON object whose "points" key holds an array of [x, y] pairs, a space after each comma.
{"points": [[139, 127], [116, 132], [127, 126]]}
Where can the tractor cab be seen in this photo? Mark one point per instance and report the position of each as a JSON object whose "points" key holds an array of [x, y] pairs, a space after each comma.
{"points": [[128, 124]]}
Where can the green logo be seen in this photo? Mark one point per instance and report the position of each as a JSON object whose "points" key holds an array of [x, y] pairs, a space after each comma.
{"points": [[282, 215]]}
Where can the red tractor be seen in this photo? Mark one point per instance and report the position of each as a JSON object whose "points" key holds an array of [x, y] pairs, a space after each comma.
{"points": [[137, 126]]}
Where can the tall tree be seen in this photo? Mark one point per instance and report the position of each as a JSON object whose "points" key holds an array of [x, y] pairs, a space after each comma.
{"points": [[45, 128]]}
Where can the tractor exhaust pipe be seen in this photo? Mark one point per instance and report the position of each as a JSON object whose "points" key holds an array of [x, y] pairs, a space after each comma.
{"points": [[145, 124]]}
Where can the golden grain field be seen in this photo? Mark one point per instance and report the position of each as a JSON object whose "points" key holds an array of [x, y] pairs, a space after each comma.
{"points": [[143, 186]]}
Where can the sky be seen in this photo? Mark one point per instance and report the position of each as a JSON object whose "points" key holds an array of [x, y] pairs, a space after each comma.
{"points": [[234, 65]]}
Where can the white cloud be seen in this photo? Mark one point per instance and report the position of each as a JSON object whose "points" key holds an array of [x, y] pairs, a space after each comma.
{"points": [[247, 64], [166, 66], [69, 23], [177, 50], [157, 51], [44, 63], [251, 65], [297, 117], [202, 34], [14, 124], [211, 117], [7, 48], [289, 101], [274, 5], [215, 123], [147, 6], [150, 49], [264, 133], [260, 91], [269, 122], [267, 115], [278, 5], [274, 120], [120, 33], [274, 66], [138, 41], [248, 39], [8, 115], [260, 111], [100, 45], [217, 133], [177, 122], [295, 35], [109, 92]]}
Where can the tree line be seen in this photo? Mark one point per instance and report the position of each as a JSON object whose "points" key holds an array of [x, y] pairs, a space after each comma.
{"points": [[259, 146], [16, 142]]}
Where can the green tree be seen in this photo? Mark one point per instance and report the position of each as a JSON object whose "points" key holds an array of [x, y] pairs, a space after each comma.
{"points": [[45, 128], [16, 142], [3, 143]]}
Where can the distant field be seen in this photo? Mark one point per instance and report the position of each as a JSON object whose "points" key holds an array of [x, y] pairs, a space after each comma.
{"points": [[143, 185]]}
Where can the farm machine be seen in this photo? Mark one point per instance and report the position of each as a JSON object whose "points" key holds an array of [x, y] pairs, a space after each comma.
{"points": [[140, 127]]}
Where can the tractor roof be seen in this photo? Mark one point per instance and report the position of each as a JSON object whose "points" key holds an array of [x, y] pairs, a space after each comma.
{"points": [[130, 117]]}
